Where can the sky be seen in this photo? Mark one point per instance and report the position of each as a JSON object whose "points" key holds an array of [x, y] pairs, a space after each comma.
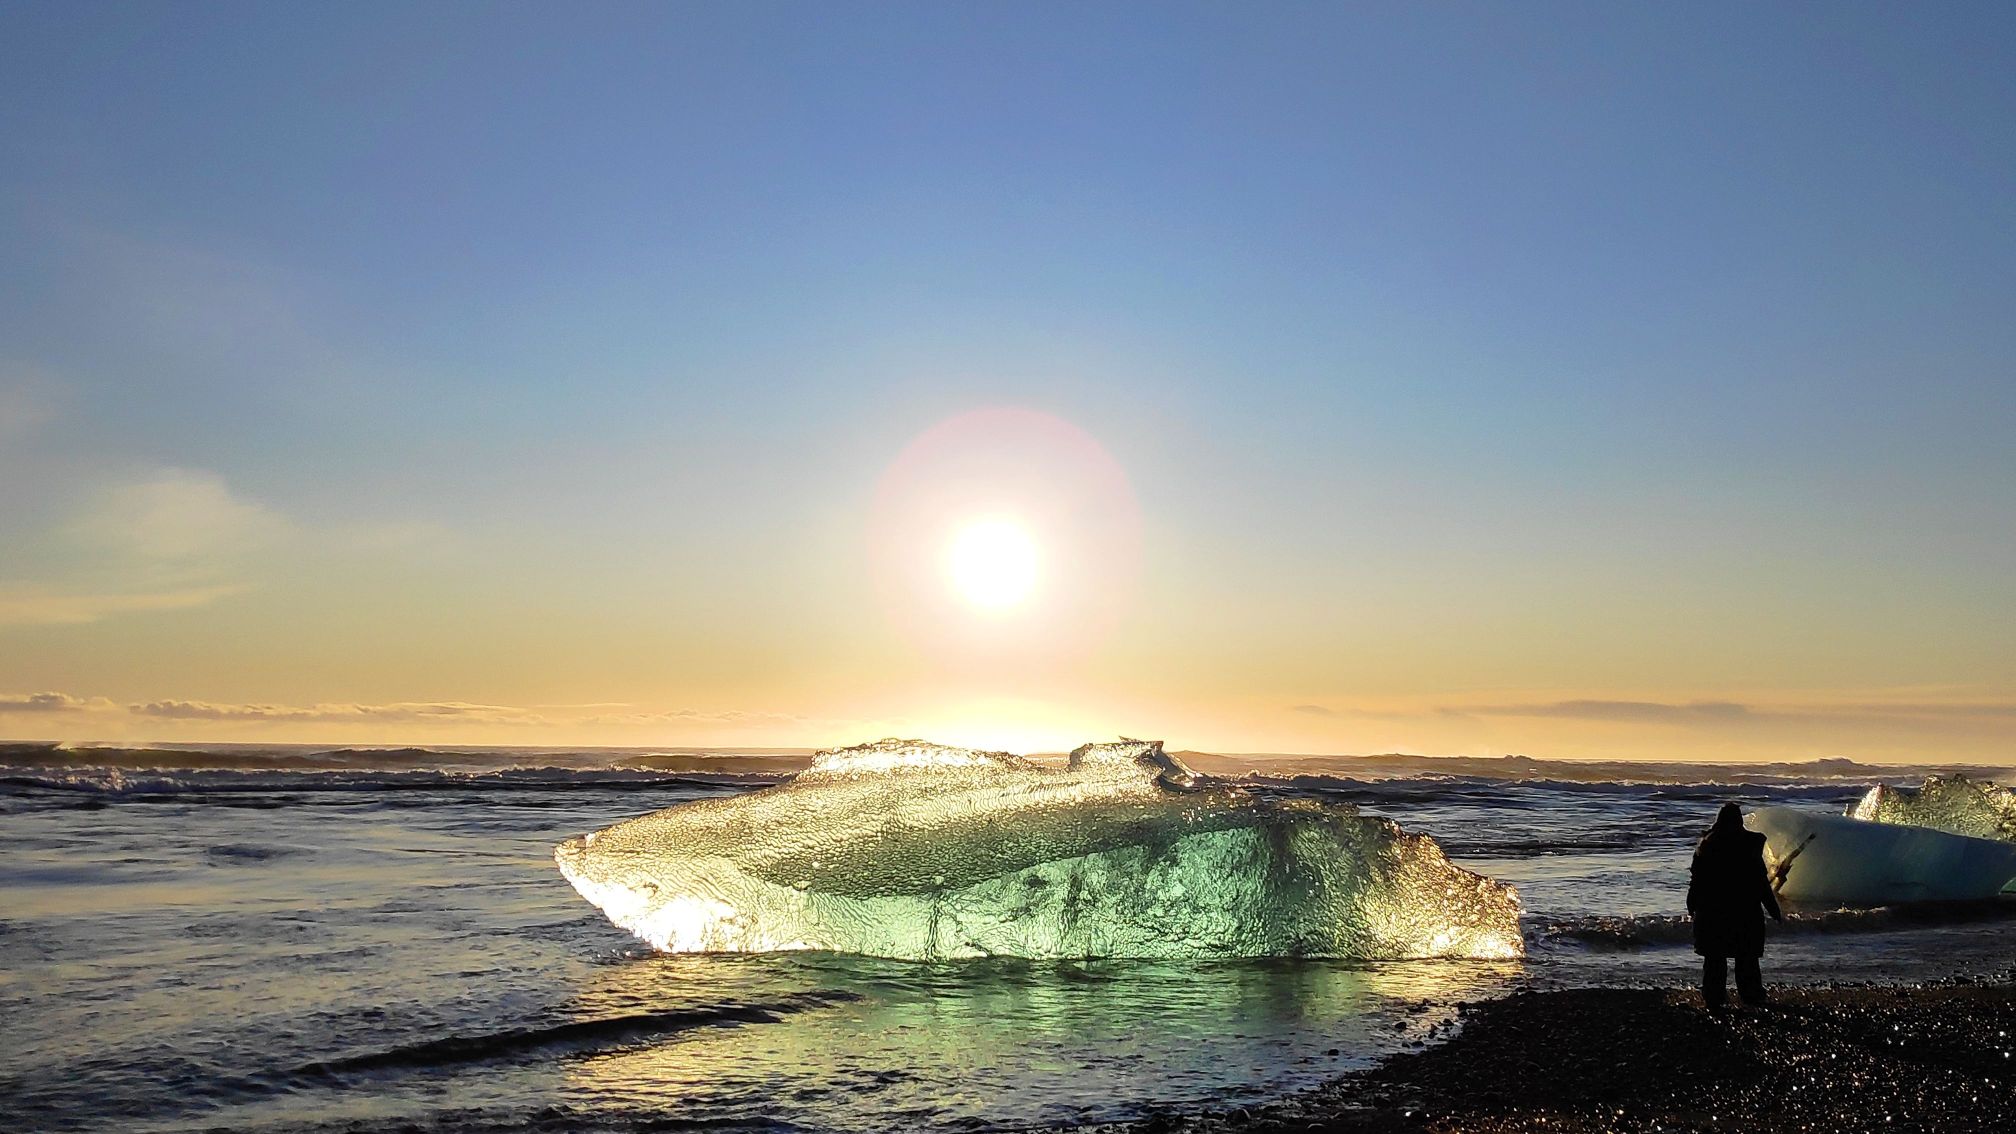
{"points": [[1568, 379]]}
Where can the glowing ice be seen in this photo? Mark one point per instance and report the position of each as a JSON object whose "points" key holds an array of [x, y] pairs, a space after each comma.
{"points": [[1945, 803], [1831, 858], [908, 849]]}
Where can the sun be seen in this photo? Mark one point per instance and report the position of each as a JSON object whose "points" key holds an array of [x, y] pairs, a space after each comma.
{"points": [[992, 564]]}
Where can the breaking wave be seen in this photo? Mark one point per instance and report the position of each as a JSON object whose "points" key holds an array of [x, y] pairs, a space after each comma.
{"points": [[1602, 932]]}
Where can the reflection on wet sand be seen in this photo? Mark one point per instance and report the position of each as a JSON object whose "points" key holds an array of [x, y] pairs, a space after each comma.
{"points": [[1066, 1041]]}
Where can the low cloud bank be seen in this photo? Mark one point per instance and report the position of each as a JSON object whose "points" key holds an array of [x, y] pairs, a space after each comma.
{"points": [[1710, 714], [50, 703], [402, 711]]}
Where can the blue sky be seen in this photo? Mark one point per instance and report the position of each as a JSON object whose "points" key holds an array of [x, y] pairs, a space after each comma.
{"points": [[1595, 351]]}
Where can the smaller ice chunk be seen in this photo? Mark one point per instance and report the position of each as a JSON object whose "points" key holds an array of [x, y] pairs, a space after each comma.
{"points": [[1834, 859], [1955, 804]]}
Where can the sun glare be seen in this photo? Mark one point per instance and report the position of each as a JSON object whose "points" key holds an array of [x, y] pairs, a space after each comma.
{"points": [[992, 564]]}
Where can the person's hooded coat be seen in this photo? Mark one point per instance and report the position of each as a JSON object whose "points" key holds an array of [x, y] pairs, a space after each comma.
{"points": [[1730, 890]]}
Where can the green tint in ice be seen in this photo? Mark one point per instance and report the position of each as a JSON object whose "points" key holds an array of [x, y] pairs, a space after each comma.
{"points": [[908, 849], [1953, 803]]}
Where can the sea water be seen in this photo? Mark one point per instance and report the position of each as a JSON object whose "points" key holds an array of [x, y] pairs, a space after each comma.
{"points": [[287, 939]]}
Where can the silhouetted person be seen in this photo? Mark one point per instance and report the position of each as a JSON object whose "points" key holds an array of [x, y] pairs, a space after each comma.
{"points": [[1728, 894]]}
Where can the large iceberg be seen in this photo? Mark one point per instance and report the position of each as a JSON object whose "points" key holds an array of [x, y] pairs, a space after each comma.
{"points": [[915, 850], [1953, 803], [1815, 858]]}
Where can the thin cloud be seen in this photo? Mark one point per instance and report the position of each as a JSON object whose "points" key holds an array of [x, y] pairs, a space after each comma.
{"points": [[694, 716], [1627, 711], [51, 703], [32, 604], [411, 711], [1892, 716], [1929, 709], [172, 539], [176, 514], [1895, 716], [408, 712], [1353, 711]]}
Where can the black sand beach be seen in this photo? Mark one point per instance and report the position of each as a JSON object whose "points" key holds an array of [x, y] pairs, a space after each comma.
{"points": [[1819, 1059]]}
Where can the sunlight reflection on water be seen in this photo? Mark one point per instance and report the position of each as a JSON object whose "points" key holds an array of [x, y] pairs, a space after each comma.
{"points": [[1068, 1041]]}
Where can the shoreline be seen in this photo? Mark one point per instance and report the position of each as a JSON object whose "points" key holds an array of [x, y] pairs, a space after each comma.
{"points": [[1939, 1057]]}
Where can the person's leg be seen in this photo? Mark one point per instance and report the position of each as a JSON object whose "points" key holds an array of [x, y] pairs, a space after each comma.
{"points": [[1750, 981], [1714, 981]]}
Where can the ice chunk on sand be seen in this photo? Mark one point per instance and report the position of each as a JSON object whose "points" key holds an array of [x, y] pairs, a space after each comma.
{"points": [[909, 849], [1831, 858], [1954, 803]]}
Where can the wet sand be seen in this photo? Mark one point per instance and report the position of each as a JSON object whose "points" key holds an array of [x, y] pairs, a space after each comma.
{"points": [[1820, 1059]]}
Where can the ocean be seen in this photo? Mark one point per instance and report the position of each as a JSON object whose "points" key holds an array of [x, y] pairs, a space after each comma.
{"points": [[293, 938]]}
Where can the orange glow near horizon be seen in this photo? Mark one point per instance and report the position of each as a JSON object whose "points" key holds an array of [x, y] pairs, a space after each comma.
{"points": [[990, 586]]}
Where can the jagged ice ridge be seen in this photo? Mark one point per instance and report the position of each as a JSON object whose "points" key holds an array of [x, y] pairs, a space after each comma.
{"points": [[1955, 804]]}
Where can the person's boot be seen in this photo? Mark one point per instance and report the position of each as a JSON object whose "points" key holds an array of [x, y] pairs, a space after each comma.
{"points": [[1714, 986], [1750, 982]]}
